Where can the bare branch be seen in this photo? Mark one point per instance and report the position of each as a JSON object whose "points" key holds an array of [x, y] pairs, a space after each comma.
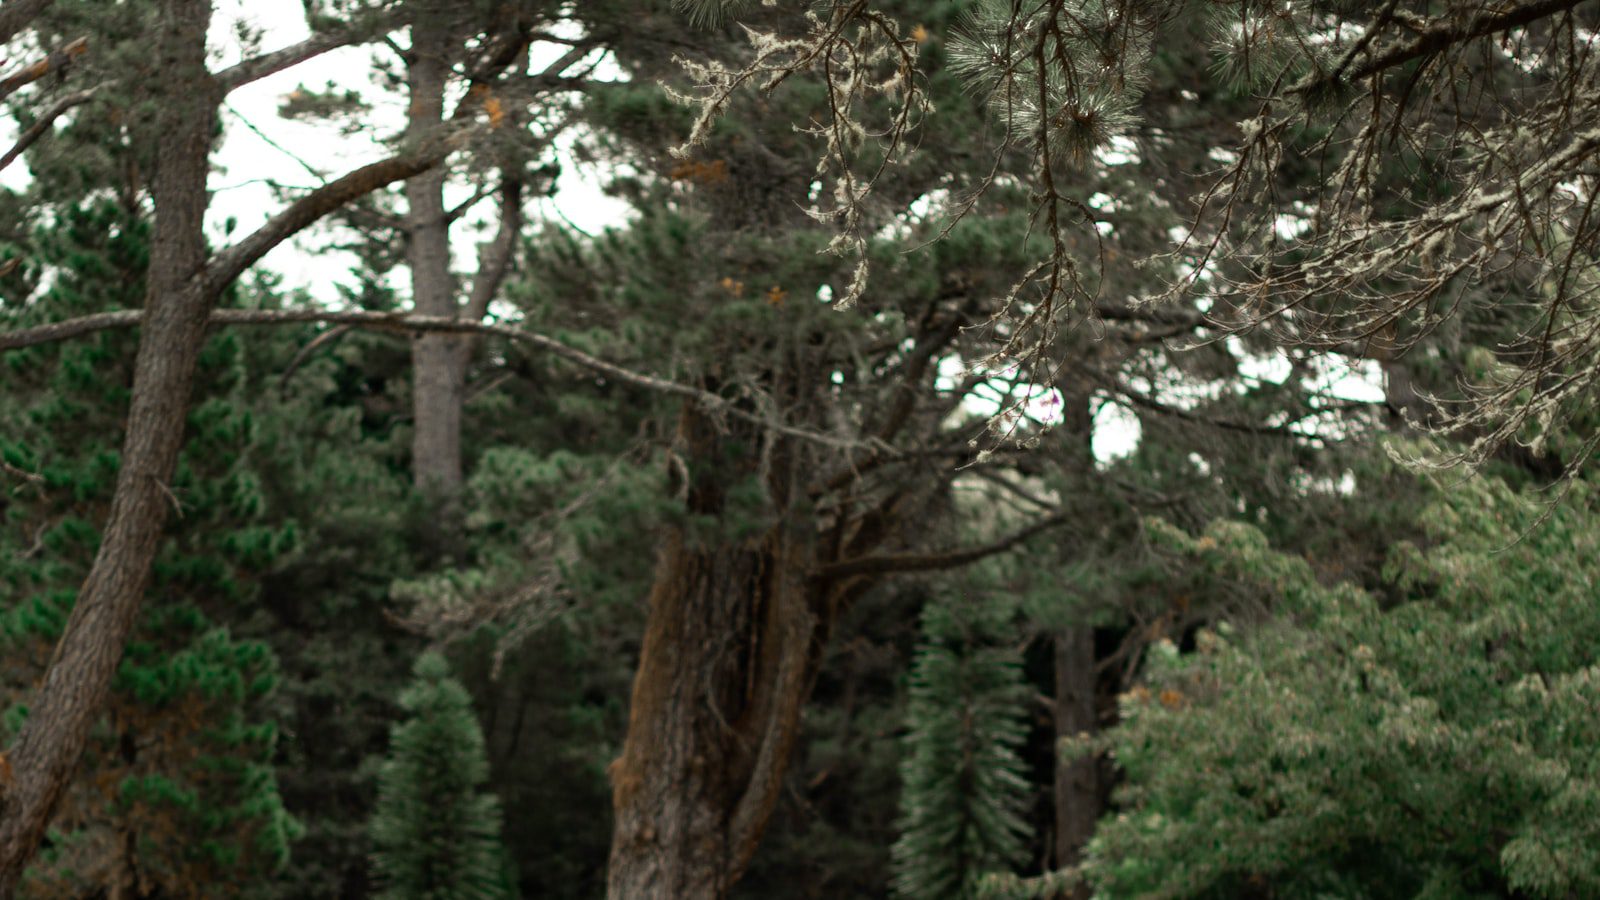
{"points": [[260, 67], [401, 322], [1152, 314], [1443, 36], [327, 337], [46, 120], [928, 562], [461, 208], [494, 260], [230, 263], [56, 61]]}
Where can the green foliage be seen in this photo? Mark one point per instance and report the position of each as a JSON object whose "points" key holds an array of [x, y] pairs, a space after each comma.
{"points": [[1437, 743], [178, 783], [1089, 89], [964, 786], [435, 835]]}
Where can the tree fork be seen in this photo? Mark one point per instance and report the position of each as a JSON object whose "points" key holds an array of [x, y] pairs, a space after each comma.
{"points": [[731, 649]]}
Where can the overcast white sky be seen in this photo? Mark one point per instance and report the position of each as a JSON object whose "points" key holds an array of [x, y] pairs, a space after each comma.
{"points": [[248, 159], [259, 148]]}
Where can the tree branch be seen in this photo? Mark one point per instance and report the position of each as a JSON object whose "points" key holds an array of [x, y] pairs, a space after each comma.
{"points": [[494, 258], [56, 61], [466, 205], [266, 64], [402, 322], [927, 562], [230, 263], [1279, 431], [38, 128], [1156, 315], [1443, 36], [321, 340]]}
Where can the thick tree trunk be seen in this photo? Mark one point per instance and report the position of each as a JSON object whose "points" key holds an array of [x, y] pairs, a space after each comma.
{"points": [[437, 365], [729, 657], [1077, 788], [46, 752], [725, 670]]}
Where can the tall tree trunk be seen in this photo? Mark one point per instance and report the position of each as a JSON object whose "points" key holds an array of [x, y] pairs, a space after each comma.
{"points": [[46, 752], [730, 652], [438, 371], [1077, 787], [1077, 781]]}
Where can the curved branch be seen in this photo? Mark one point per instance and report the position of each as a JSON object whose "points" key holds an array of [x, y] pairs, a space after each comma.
{"points": [[45, 121], [230, 263], [494, 258], [322, 340], [272, 63], [928, 562], [1442, 37], [402, 322]]}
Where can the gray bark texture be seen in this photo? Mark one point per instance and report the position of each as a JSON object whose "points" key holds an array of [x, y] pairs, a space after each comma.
{"points": [[438, 364], [69, 701]]}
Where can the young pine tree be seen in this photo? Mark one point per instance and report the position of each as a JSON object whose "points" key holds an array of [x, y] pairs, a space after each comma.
{"points": [[436, 836], [964, 784]]}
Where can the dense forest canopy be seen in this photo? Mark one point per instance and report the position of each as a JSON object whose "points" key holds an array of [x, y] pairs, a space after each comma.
{"points": [[767, 543]]}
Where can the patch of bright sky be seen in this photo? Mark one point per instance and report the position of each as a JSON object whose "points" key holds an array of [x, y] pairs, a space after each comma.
{"points": [[1121, 150], [1222, 155], [1115, 430], [259, 149]]}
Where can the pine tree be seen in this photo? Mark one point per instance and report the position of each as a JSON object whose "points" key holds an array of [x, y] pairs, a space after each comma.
{"points": [[965, 788], [177, 790], [436, 835]]}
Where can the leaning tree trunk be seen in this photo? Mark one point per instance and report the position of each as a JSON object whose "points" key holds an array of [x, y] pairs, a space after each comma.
{"points": [[46, 752], [730, 654], [438, 373]]}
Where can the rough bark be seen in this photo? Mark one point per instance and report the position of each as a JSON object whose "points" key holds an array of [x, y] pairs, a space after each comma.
{"points": [[438, 374], [722, 678], [731, 647], [732, 643], [68, 702]]}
